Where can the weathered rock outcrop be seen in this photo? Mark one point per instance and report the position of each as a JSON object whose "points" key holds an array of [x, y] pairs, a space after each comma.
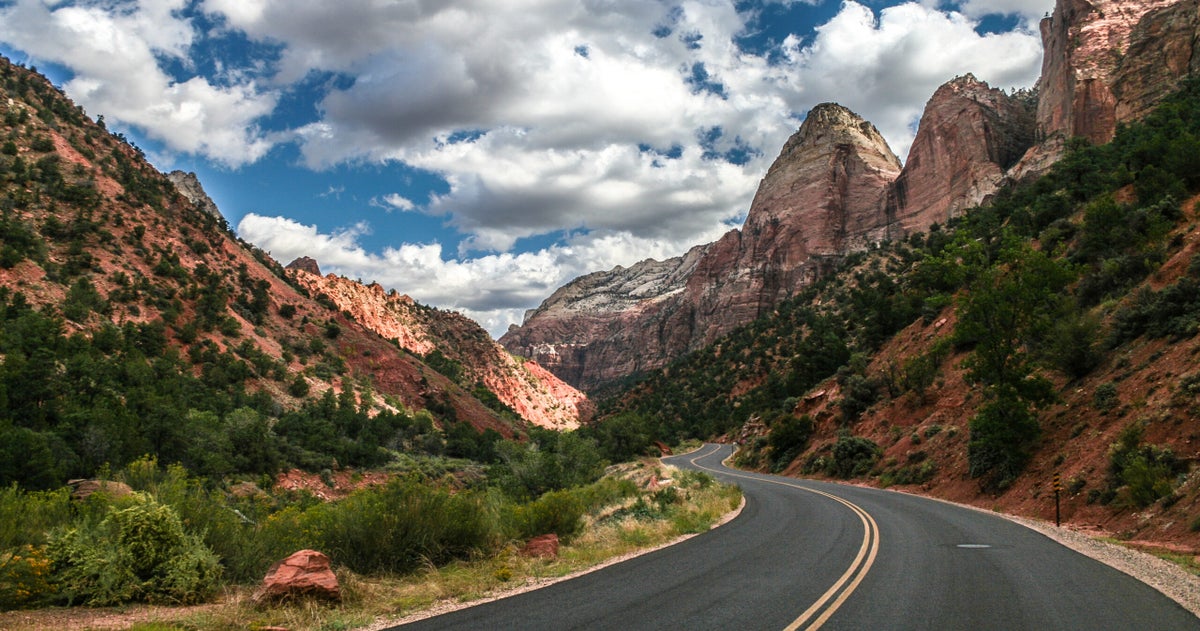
{"points": [[603, 325], [307, 264], [969, 136], [189, 186], [306, 573], [531, 391], [1107, 62]]}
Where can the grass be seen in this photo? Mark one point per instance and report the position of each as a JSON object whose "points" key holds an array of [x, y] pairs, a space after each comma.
{"points": [[635, 523]]}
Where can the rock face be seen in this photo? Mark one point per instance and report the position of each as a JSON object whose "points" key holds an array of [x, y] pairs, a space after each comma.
{"points": [[303, 574], [836, 188], [531, 391], [189, 186], [604, 325], [969, 136], [822, 198], [1106, 62]]}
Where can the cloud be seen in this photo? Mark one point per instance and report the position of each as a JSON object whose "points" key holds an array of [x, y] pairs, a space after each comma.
{"points": [[114, 51], [494, 290], [638, 126], [394, 201], [563, 141], [886, 67]]}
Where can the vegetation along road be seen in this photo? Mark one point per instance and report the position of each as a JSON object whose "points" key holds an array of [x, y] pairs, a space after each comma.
{"points": [[808, 555]]}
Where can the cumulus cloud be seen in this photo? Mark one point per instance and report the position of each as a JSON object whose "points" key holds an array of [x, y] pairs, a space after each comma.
{"points": [[886, 67], [113, 49]]}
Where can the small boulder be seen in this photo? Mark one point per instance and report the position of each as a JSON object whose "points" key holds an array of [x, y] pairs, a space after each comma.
{"points": [[303, 574], [545, 546]]}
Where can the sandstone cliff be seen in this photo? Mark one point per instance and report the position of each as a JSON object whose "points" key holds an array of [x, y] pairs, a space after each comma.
{"points": [[969, 136], [528, 389], [821, 199], [1107, 62]]}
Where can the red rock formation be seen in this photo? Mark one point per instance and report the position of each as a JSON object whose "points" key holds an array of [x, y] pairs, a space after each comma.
{"points": [[531, 391], [969, 136], [1107, 62], [543, 546], [305, 263], [303, 574]]}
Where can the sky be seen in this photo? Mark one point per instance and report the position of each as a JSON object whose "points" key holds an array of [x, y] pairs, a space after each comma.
{"points": [[479, 154]]}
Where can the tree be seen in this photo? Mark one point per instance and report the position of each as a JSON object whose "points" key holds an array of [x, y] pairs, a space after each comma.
{"points": [[1010, 309]]}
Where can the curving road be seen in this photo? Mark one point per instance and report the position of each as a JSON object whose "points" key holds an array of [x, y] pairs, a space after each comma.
{"points": [[808, 555]]}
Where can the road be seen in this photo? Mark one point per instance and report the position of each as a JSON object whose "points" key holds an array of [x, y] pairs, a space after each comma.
{"points": [[807, 555]]}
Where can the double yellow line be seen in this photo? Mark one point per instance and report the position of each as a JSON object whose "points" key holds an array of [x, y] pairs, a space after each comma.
{"points": [[833, 598]]}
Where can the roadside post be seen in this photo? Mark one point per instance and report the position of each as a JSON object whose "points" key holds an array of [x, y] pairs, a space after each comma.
{"points": [[1057, 491]]}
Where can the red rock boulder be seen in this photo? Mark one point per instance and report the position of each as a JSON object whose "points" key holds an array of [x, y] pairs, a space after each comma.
{"points": [[303, 574], [545, 546]]}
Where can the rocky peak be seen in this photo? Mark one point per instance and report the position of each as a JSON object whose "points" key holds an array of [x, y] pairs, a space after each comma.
{"points": [[306, 264], [189, 186], [968, 137], [820, 200]]}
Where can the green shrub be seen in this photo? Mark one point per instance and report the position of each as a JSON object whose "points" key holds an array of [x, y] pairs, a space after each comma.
{"points": [[1105, 398], [1141, 474], [1003, 433], [853, 456], [401, 526], [789, 436], [559, 512], [139, 552]]}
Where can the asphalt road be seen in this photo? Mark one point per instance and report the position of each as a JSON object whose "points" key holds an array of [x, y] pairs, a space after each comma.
{"points": [[808, 555]]}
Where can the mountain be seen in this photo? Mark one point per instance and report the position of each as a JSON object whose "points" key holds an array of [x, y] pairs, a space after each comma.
{"points": [[456, 345], [836, 189]]}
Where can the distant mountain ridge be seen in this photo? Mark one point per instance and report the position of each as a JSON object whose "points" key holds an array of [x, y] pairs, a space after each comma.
{"points": [[1105, 61]]}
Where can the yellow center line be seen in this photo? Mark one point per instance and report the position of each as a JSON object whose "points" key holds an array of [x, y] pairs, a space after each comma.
{"points": [[862, 563]]}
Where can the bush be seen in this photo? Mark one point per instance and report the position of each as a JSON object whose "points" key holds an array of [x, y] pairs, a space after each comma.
{"points": [[1002, 437], [789, 436], [1141, 474], [401, 527], [558, 512], [1105, 398], [136, 553], [853, 456]]}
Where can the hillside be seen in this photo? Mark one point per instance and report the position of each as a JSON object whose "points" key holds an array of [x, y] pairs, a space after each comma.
{"points": [[135, 322], [457, 347], [1053, 331]]}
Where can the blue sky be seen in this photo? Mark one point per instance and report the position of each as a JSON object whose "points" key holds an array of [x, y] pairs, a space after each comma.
{"points": [[478, 154]]}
